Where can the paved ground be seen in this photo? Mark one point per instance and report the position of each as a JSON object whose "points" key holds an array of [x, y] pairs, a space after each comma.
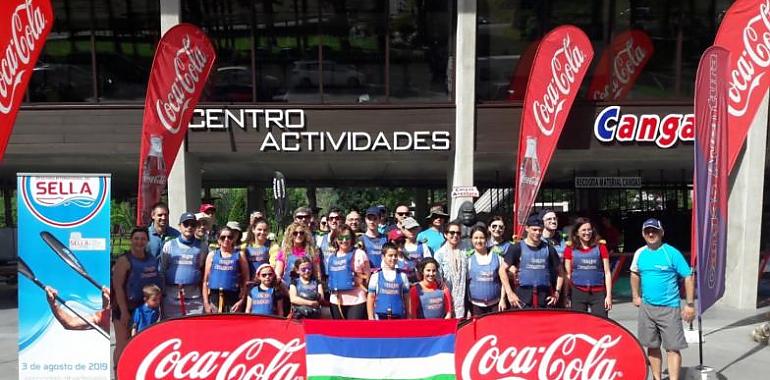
{"points": [[728, 347]]}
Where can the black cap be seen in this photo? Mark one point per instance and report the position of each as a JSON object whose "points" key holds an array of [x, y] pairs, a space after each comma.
{"points": [[373, 211], [535, 220], [187, 216]]}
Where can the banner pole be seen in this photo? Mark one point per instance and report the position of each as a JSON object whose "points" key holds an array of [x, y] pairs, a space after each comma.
{"points": [[700, 342]]}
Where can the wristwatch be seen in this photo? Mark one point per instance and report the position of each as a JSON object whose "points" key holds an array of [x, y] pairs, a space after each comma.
{"points": [[691, 304]]}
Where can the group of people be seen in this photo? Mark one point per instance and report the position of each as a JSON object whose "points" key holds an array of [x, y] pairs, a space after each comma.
{"points": [[380, 270]]}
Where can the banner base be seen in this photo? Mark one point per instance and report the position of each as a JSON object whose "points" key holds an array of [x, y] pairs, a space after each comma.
{"points": [[699, 373]]}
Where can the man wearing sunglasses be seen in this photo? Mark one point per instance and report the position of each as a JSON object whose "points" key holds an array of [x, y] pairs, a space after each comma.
{"points": [[181, 265], [551, 234], [434, 234]]}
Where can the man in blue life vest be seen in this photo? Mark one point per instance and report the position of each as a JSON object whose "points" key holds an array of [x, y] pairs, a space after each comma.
{"points": [[657, 267], [372, 240], [181, 265], [551, 233], [536, 265], [159, 230], [434, 234]]}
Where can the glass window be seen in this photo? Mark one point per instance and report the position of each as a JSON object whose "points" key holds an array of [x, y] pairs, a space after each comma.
{"points": [[352, 44], [126, 34], [420, 34], [63, 70]]}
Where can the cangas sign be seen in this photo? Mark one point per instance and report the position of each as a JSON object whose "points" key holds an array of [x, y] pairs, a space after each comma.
{"points": [[569, 346]]}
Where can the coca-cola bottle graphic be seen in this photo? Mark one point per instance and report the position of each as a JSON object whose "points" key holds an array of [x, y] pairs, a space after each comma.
{"points": [[529, 178], [153, 176]]}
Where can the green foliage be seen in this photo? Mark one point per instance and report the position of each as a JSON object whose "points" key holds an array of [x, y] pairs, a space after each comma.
{"points": [[358, 198], [229, 201], [122, 217]]}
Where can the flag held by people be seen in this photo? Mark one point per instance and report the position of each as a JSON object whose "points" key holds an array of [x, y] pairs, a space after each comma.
{"points": [[710, 191], [24, 26], [560, 64]]}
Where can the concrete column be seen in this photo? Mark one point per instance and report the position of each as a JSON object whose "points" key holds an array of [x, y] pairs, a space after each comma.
{"points": [[745, 216], [420, 204], [465, 99], [255, 198], [184, 181]]}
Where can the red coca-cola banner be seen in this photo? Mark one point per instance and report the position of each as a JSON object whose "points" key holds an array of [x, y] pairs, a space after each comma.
{"points": [[745, 33], [181, 66], [560, 64], [24, 25], [217, 347], [620, 65], [547, 345]]}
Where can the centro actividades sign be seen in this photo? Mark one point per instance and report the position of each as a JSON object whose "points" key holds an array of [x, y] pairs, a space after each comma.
{"points": [[285, 130], [613, 126]]}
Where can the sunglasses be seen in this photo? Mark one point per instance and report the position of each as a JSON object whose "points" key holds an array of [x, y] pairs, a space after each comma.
{"points": [[496, 227], [190, 223], [298, 233], [402, 213], [266, 275], [336, 217], [323, 223], [344, 238], [226, 237], [305, 269], [302, 217], [453, 233]]}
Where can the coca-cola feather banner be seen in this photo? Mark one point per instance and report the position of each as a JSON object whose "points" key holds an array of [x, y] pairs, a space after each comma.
{"points": [[620, 65], [560, 64], [745, 33], [24, 25], [182, 63]]}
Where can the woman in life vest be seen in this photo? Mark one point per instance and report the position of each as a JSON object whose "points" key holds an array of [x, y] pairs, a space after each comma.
{"points": [[347, 271], [225, 275], [429, 298], [484, 285], [388, 289], [131, 272], [587, 264], [453, 267], [305, 292], [265, 296], [297, 242], [257, 248], [413, 251]]}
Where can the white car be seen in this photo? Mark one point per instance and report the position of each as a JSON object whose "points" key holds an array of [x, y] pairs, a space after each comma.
{"points": [[305, 74]]}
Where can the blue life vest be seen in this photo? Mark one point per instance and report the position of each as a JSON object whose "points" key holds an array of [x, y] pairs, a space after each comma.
{"points": [[373, 248], [405, 265], [310, 293], [326, 248], [290, 260], [262, 300], [224, 271], [533, 268], [340, 272], [431, 303], [389, 295], [184, 260], [484, 280], [499, 249], [587, 268], [142, 273], [257, 256]]}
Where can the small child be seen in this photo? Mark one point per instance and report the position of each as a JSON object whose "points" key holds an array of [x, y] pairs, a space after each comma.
{"points": [[149, 312], [388, 288], [305, 293], [265, 297]]}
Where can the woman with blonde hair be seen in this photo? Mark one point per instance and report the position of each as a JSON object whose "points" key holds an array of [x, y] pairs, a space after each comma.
{"points": [[297, 242]]}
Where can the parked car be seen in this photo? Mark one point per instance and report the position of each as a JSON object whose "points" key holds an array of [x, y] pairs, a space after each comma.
{"points": [[233, 84], [58, 82], [306, 74]]}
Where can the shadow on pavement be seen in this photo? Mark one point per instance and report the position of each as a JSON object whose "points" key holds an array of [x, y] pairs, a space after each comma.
{"points": [[758, 318], [757, 348]]}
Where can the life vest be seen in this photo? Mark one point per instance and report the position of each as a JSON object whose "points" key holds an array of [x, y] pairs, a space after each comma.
{"points": [[389, 298], [310, 293], [587, 267], [290, 260], [256, 256], [340, 272], [431, 303], [327, 249], [142, 273], [484, 279], [262, 300], [184, 260], [373, 248], [534, 267], [224, 271]]}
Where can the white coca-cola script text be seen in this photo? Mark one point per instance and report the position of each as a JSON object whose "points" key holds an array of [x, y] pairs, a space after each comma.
{"points": [[568, 357], [625, 65], [27, 25], [745, 77], [189, 64]]}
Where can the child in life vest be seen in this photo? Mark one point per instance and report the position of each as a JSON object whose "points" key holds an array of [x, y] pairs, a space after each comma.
{"points": [[305, 292], [149, 313], [388, 288], [429, 298], [265, 298]]}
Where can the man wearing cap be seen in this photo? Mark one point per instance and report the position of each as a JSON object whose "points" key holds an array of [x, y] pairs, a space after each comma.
{"points": [[181, 265], [236, 227], [536, 265], [434, 234], [203, 232], [658, 266], [159, 230], [372, 240]]}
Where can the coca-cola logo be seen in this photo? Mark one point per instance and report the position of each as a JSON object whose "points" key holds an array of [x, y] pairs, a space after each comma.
{"points": [[27, 25], [62, 201], [233, 347], [620, 65], [560, 345], [566, 63], [189, 64], [744, 78]]}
